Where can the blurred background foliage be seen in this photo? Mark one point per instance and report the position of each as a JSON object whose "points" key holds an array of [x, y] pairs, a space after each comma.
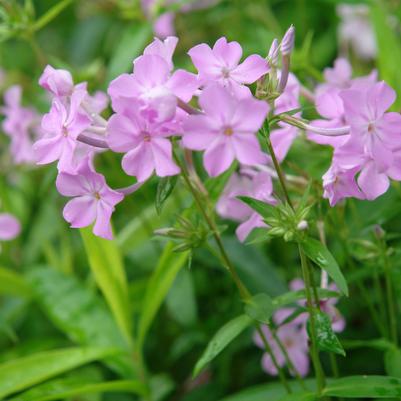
{"points": [[58, 291]]}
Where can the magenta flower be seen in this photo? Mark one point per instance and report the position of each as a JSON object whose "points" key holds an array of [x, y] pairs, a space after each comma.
{"points": [[227, 131], [253, 183], [145, 143], [9, 227], [154, 87], [365, 112], [56, 81], [93, 200], [222, 64], [295, 341], [62, 126]]}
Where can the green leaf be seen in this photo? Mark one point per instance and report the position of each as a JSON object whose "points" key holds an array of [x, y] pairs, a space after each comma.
{"points": [[379, 343], [67, 388], [170, 263], [164, 189], [294, 296], [24, 372], [260, 308], [392, 362], [264, 209], [107, 267], [326, 339], [130, 45], [221, 339], [50, 14], [364, 387], [80, 314], [304, 396], [320, 255], [12, 283]]}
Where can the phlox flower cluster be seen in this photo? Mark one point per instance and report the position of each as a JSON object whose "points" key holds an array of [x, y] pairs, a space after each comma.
{"points": [[292, 335]]}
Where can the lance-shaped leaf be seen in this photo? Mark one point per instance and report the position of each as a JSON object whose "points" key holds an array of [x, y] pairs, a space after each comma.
{"points": [[320, 255], [260, 308], [221, 339], [264, 209], [165, 187]]}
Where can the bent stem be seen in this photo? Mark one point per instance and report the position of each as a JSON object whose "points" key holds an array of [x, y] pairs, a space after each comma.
{"points": [[226, 261]]}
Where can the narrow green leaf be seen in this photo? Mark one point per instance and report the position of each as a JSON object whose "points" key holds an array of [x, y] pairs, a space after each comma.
{"points": [[169, 265], [320, 255], [12, 283], [51, 14], [165, 187], [326, 339], [67, 388], [24, 372], [130, 45], [80, 314], [260, 308], [392, 362], [221, 339], [264, 209], [364, 387], [107, 267], [294, 296], [379, 343], [304, 396]]}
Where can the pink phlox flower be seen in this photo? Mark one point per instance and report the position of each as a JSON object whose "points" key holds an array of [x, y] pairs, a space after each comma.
{"points": [[163, 48], [93, 200], [62, 125], [295, 341], [222, 64], [226, 132], [145, 144], [10, 227], [252, 183], [58, 82], [21, 124], [154, 87]]}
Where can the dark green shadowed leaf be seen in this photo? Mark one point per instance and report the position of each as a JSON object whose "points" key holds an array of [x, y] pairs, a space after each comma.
{"points": [[68, 388], [165, 187], [24, 372], [392, 362], [326, 339], [364, 387], [260, 308], [221, 339], [320, 255]]}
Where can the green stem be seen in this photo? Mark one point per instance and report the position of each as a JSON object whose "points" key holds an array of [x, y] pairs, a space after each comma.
{"points": [[243, 291]]}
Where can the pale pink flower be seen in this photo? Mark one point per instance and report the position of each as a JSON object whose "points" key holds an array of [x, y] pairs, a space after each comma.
{"points": [[227, 129], [163, 48], [93, 200], [145, 144], [57, 81], [9, 227], [222, 64], [62, 125]]}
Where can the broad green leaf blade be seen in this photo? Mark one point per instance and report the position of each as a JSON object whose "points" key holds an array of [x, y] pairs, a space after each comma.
{"points": [[130, 45], [294, 296], [392, 362], [80, 314], [364, 387], [12, 283], [107, 267], [221, 339], [320, 255], [264, 209], [170, 263], [304, 396], [260, 308], [24, 372], [67, 388], [326, 339], [165, 187]]}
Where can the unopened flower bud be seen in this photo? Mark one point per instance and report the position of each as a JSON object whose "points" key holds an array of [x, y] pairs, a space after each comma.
{"points": [[287, 44], [272, 57], [379, 232], [302, 225]]}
